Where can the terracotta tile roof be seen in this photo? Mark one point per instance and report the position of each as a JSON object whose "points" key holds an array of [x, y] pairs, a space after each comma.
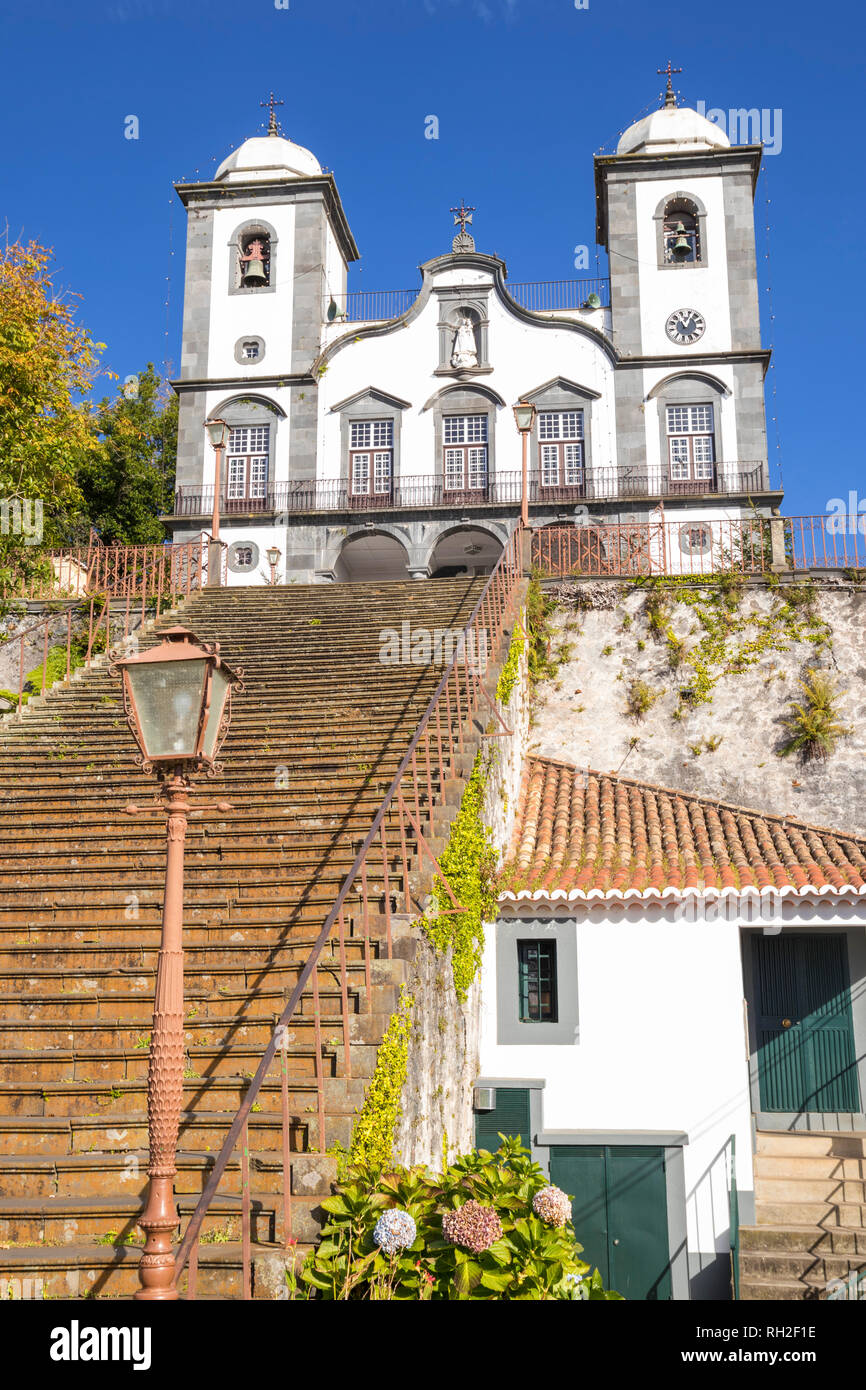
{"points": [[583, 834]]}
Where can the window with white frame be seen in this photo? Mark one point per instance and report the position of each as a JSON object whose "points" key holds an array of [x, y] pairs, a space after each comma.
{"points": [[465, 456], [691, 443], [371, 457], [247, 462], [561, 448]]}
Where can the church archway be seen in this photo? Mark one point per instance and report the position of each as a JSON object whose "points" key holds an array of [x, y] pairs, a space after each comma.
{"points": [[469, 550], [371, 555]]}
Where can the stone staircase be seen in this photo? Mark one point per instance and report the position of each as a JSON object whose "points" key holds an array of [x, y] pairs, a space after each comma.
{"points": [[313, 746], [810, 1208]]}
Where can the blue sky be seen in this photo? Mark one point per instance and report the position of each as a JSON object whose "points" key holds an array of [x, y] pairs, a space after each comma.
{"points": [[526, 91]]}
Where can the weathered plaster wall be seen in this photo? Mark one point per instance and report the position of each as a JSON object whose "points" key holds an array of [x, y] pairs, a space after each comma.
{"points": [[580, 715]]}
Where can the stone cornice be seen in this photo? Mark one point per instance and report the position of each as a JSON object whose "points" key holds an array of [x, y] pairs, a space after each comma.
{"points": [[212, 195]]}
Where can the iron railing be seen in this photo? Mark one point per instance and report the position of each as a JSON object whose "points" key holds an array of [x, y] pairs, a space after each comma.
{"points": [[540, 296], [734, 1221], [115, 587], [752, 545], [383, 870], [144, 572], [427, 491]]}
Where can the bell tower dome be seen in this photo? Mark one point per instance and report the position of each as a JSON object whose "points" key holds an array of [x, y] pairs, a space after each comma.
{"points": [[268, 246]]}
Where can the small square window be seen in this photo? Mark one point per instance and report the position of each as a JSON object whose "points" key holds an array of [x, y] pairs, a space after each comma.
{"points": [[251, 351], [537, 998]]}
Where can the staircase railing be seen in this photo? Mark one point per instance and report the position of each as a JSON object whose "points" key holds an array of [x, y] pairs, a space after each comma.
{"points": [[399, 823], [145, 572], [734, 1219]]}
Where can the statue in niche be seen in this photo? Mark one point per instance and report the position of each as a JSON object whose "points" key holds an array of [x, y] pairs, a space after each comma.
{"points": [[465, 353]]}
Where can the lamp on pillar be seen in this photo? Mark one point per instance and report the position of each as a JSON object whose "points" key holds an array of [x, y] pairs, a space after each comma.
{"points": [[218, 434], [177, 699], [273, 554], [524, 416]]}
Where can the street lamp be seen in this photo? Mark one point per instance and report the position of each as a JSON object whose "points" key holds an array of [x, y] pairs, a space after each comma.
{"points": [[218, 434], [524, 416], [273, 554], [177, 699]]}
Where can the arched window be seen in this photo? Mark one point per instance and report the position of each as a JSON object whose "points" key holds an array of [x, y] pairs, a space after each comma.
{"points": [[252, 249], [681, 232]]}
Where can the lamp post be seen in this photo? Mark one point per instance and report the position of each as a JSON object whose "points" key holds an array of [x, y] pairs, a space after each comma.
{"points": [[273, 554], [177, 699], [524, 415], [218, 434]]}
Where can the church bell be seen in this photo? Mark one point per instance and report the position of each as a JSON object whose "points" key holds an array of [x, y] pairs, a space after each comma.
{"points": [[682, 246], [254, 273]]}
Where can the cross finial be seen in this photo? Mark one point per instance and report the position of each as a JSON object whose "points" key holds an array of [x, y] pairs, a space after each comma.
{"points": [[273, 123], [670, 97], [463, 215]]}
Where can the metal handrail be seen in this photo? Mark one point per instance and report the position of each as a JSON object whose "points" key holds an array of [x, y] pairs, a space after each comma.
{"points": [[751, 545], [492, 605], [501, 488], [734, 1221]]}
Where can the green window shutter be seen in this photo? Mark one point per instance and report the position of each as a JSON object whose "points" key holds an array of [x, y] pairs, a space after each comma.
{"points": [[511, 1117]]}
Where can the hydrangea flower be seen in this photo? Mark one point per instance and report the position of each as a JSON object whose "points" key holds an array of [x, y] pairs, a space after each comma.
{"points": [[395, 1230], [552, 1205], [473, 1226]]}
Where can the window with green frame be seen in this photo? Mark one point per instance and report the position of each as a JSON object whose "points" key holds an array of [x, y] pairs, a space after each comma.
{"points": [[536, 962]]}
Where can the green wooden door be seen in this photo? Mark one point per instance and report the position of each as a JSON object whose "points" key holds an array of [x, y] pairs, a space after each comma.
{"points": [[511, 1117], [620, 1212], [804, 1026]]}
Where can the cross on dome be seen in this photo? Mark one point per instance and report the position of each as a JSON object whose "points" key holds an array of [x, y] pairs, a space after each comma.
{"points": [[670, 97], [273, 123]]}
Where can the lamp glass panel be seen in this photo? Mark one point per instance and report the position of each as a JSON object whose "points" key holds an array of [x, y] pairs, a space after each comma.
{"points": [[218, 691], [273, 555], [168, 698], [524, 416], [217, 431]]}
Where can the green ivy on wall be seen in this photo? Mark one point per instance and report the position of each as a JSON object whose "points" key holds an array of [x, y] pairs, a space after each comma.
{"points": [[468, 863], [373, 1132], [510, 671], [730, 640]]}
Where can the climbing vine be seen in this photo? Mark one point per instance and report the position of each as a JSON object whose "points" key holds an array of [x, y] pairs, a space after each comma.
{"points": [[373, 1132], [468, 863], [509, 673], [729, 639]]}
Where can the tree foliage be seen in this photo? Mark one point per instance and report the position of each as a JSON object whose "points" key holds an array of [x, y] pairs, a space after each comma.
{"points": [[47, 366], [129, 480]]}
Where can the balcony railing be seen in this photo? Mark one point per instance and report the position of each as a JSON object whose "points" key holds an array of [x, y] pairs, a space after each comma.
{"points": [[541, 296], [427, 492]]}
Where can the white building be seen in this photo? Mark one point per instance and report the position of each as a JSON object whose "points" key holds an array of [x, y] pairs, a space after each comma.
{"points": [[372, 435], [673, 981]]}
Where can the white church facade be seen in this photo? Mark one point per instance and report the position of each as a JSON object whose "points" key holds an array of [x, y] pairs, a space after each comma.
{"points": [[373, 435]]}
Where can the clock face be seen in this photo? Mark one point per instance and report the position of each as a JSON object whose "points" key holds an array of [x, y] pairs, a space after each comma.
{"points": [[685, 326]]}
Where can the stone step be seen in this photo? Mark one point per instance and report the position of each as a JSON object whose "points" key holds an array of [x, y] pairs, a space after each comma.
{"points": [[114, 1220], [816, 1240], [809, 1189], [816, 1270], [824, 1214], [73, 1271], [775, 1291], [80, 1097], [795, 1144], [204, 1130], [89, 1174], [811, 1166]]}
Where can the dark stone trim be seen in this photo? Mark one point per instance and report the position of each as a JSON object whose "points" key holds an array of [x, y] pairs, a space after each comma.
{"points": [[377, 394], [277, 191]]}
